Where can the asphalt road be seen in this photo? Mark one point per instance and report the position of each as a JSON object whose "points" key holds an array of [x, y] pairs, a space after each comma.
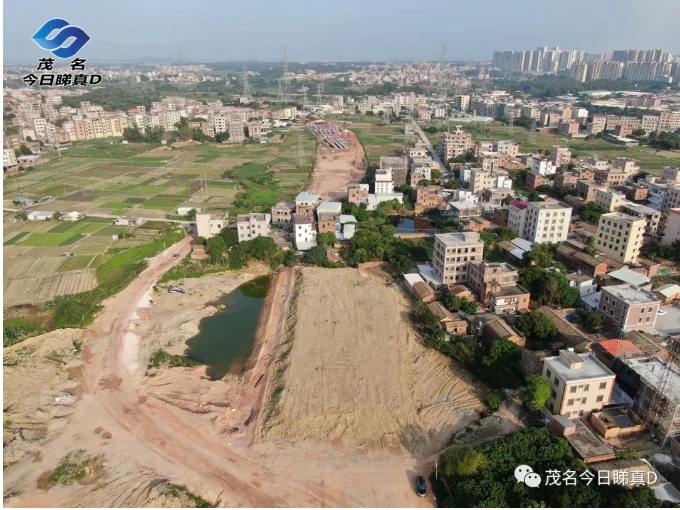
{"points": [[429, 146]]}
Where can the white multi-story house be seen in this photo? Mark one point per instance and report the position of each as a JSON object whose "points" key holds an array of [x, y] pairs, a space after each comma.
{"points": [[9, 158], [542, 166], [384, 181], [305, 231], [540, 222], [250, 226], [209, 224]]}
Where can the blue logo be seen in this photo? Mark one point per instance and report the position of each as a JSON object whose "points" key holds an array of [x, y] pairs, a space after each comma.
{"points": [[66, 32]]}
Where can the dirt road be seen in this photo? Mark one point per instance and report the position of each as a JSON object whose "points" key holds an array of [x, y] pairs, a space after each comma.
{"points": [[335, 169]]}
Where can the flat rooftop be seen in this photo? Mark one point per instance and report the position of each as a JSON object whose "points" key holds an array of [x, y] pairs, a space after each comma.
{"points": [[301, 218], [591, 367], [631, 294], [656, 373], [247, 217], [458, 238], [550, 205], [619, 216], [630, 276], [588, 445]]}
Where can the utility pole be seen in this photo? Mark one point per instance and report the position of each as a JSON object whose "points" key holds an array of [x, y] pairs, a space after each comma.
{"points": [[532, 132]]}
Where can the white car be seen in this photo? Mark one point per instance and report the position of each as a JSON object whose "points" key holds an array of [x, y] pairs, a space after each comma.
{"points": [[661, 312]]}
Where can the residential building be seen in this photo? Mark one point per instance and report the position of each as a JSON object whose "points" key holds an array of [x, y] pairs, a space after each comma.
{"points": [[657, 399], [496, 195], [452, 254], [619, 236], [328, 214], [672, 231], [236, 131], [463, 210], [305, 231], [306, 202], [399, 167], [540, 222], [9, 158], [584, 283], [420, 173], [455, 144], [430, 197], [542, 166], [670, 173], [534, 180], [609, 199], [250, 226], [652, 216], [283, 212], [357, 193], [650, 123], [669, 120], [483, 277], [586, 189], [509, 147], [566, 179], [657, 194], [481, 179], [560, 155], [627, 307], [611, 176], [384, 181], [209, 224], [568, 127], [579, 383], [508, 299]]}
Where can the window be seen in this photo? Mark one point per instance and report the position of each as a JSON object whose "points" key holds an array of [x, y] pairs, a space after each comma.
{"points": [[548, 374], [570, 402], [599, 398], [557, 382], [587, 387], [554, 394], [572, 389], [603, 385]]}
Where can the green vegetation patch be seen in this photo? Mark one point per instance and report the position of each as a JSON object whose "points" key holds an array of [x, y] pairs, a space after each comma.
{"points": [[199, 502], [207, 158], [155, 225], [134, 200], [15, 238], [76, 467], [144, 161], [16, 329], [75, 263], [47, 239], [114, 205], [222, 184], [164, 202]]}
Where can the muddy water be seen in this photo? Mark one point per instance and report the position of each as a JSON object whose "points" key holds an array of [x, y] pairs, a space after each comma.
{"points": [[225, 338], [406, 225]]}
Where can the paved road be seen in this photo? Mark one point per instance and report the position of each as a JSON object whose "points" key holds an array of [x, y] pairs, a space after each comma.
{"points": [[112, 216], [429, 146]]}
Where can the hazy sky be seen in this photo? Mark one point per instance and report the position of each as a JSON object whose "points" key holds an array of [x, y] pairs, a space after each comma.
{"points": [[342, 30]]}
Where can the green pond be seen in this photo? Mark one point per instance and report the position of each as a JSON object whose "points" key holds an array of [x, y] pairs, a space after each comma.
{"points": [[225, 338]]}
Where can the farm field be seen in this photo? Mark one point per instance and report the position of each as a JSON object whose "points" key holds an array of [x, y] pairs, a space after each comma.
{"points": [[38, 264], [377, 140], [105, 177]]}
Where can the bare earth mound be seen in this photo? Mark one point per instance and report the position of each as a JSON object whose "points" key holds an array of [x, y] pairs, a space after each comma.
{"points": [[356, 371]]}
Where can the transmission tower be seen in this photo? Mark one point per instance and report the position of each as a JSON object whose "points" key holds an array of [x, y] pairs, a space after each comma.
{"points": [[246, 86], [532, 132], [441, 80], [511, 125], [319, 92], [284, 84], [304, 95]]}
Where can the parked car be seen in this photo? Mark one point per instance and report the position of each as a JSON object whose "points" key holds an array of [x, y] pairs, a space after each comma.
{"points": [[661, 312], [421, 487]]}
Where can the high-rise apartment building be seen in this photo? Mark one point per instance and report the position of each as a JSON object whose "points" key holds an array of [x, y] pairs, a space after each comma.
{"points": [[452, 255], [619, 236], [540, 222]]}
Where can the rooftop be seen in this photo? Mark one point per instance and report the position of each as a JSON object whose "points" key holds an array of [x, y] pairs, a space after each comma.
{"points": [[459, 238], [579, 278], [658, 375], [668, 290], [242, 218], [588, 445], [631, 294], [619, 216], [587, 366], [464, 205], [306, 196], [329, 207], [301, 218], [618, 348], [512, 290], [550, 205], [630, 276]]}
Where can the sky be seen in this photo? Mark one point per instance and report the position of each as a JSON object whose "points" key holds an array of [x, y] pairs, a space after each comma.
{"points": [[341, 30]]}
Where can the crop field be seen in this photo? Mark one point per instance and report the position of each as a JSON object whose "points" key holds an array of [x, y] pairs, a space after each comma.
{"points": [[101, 177], [38, 264], [377, 140]]}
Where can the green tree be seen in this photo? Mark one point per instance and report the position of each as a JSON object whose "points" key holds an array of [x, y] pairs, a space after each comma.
{"points": [[591, 213], [262, 248], [57, 216], [238, 258], [327, 239], [436, 174], [592, 320], [24, 151], [215, 247], [460, 462], [541, 255], [230, 237], [21, 215], [317, 256], [537, 391], [494, 401], [536, 326], [500, 362], [290, 258]]}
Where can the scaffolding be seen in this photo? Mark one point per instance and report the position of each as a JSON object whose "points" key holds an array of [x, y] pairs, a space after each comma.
{"points": [[658, 397]]}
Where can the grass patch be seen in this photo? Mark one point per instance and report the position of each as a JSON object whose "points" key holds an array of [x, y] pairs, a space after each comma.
{"points": [[75, 263], [111, 230], [47, 239], [222, 184], [155, 225], [114, 205], [17, 329], [164, 202], [207, 158], [14, 239], [187, 269], [134, 200], [142, 162], [75, 467], [199, 502]]}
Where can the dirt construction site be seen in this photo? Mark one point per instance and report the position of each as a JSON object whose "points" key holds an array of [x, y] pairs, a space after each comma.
{"points": [[337, 391]]}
